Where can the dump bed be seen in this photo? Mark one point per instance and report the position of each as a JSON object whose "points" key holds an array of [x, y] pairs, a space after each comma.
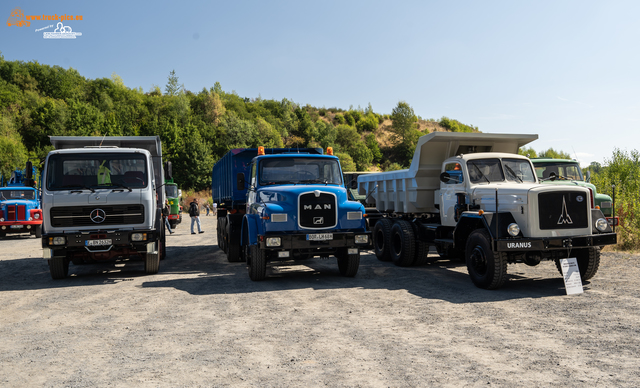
{"points": [[224, 188], [412, 190]]}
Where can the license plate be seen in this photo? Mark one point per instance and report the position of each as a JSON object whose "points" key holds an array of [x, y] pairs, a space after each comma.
{"points": [[320, 237], [16, 226], [97, 243]]}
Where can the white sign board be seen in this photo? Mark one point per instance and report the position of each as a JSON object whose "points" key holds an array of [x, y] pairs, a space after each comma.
{"points": [[571, 274]]}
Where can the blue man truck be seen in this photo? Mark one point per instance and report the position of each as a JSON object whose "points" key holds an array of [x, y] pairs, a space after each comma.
{"points": [[20, 210], [278, 204]]}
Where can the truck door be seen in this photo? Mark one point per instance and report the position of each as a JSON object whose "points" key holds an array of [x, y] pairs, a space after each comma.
{"points": [[448, 192], [251, 191]]}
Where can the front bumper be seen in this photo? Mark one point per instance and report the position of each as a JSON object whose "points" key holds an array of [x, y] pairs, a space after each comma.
{"points": [[119, 240], [300, 242], [19, 226], [554, 243]]}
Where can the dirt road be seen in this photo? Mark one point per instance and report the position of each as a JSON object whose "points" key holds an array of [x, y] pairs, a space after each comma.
{"points": [[201, 322]]}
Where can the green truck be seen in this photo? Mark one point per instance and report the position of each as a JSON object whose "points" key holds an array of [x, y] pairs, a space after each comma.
{"points": [[173, 196], [568, 172]]}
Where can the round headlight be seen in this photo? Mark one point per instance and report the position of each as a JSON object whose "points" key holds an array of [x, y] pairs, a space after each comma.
{"points": [[513, 229], [36, 216], [601, 224]]}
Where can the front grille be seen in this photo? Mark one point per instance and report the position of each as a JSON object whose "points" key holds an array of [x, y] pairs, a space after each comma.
{"points": [[71, 216], [563, 210], [317, 211], [16, 213]]}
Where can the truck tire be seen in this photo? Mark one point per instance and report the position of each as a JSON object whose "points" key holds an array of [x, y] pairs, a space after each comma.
{"points": [[152, 263], [588, 262], [403, 244], [257, 263], [382, 239], [347, 264], [58, 267], [219, 228], [487, 269], [422, 249], [38, 231]]}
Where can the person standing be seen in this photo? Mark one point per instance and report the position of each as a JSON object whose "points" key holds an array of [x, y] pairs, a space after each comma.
{"points": [[206, 206], [165, 214], [194, 212]]}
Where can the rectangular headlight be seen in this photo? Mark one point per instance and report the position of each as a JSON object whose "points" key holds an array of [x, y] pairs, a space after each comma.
{"points": [[354, 215], [605, 205], [361, 239], [57, 240], [138, 236], [273, 241], [279, 217], [283, 254]]}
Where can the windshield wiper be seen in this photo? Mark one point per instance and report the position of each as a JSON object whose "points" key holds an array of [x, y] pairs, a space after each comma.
{"points": [[480, 172], [513, 173], [81, 188], [317, 180], [121, 185]]}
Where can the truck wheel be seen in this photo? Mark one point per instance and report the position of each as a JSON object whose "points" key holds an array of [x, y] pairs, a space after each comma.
{"points": [[403, 244], [257, 263], [38, 232], [348, 264], [588, 262], [422, 249], [219, 234], [58, 267], [381, 239], [487, 269], [152, 263]]}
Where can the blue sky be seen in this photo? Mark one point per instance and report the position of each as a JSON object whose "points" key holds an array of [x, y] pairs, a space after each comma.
{"points": [[565, 70]]}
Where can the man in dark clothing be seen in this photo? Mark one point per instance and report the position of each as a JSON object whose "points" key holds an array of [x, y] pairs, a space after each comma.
{"points": [[165, 214], [194, 212]]}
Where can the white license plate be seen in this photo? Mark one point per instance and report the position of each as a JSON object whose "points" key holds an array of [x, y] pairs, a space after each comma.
{"points": [[16, 226], [98, 243], [320, 237]]}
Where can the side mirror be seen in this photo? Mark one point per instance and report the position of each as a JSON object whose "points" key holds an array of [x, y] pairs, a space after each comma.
{"points": [[445, 177], [168, 169], [588, 178], [240, 181]]}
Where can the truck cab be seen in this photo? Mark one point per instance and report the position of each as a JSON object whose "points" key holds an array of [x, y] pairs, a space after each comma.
{"points": [[20, 210], [101, 201]]}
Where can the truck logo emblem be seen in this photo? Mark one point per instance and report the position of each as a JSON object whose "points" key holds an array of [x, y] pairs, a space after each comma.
{"points": [[98, 216], [327, 206], [318, 220], [579, 198], [564, 217]]}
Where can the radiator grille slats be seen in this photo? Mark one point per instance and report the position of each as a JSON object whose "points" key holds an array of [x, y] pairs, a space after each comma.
{"points": [[72, 216]]}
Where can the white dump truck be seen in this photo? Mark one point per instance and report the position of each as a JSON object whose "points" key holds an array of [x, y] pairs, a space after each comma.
{"points": [[474, 198], [101, 200]]}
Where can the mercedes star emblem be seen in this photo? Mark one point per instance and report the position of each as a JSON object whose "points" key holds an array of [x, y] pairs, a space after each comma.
{"points": [[98, 216]]}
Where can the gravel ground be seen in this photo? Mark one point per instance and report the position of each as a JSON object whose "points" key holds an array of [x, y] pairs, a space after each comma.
{"points": [[201, 322]]}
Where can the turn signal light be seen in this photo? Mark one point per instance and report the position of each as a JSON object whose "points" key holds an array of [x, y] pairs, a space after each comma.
{"points": [[329, 150], [260, 150]]}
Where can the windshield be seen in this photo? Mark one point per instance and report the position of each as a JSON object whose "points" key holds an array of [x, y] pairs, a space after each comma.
{"points": [[300, 170], [17, 194], [518, 170], [96, 170], [485, 170], [171, 191], [563, 171]]}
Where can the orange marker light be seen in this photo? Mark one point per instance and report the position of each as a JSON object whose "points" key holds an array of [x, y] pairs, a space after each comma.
{"points": [[480, 212], [260, 150], [329, 150]]}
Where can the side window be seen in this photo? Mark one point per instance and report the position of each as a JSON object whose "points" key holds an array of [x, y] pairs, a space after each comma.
{"points": [[252, 182], [455, 173]]}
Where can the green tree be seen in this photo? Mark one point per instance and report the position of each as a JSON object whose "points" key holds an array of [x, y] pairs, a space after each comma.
{"points": [[173, 86], [346, 161], [404, 131], [529, 152], [551, 153]]}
